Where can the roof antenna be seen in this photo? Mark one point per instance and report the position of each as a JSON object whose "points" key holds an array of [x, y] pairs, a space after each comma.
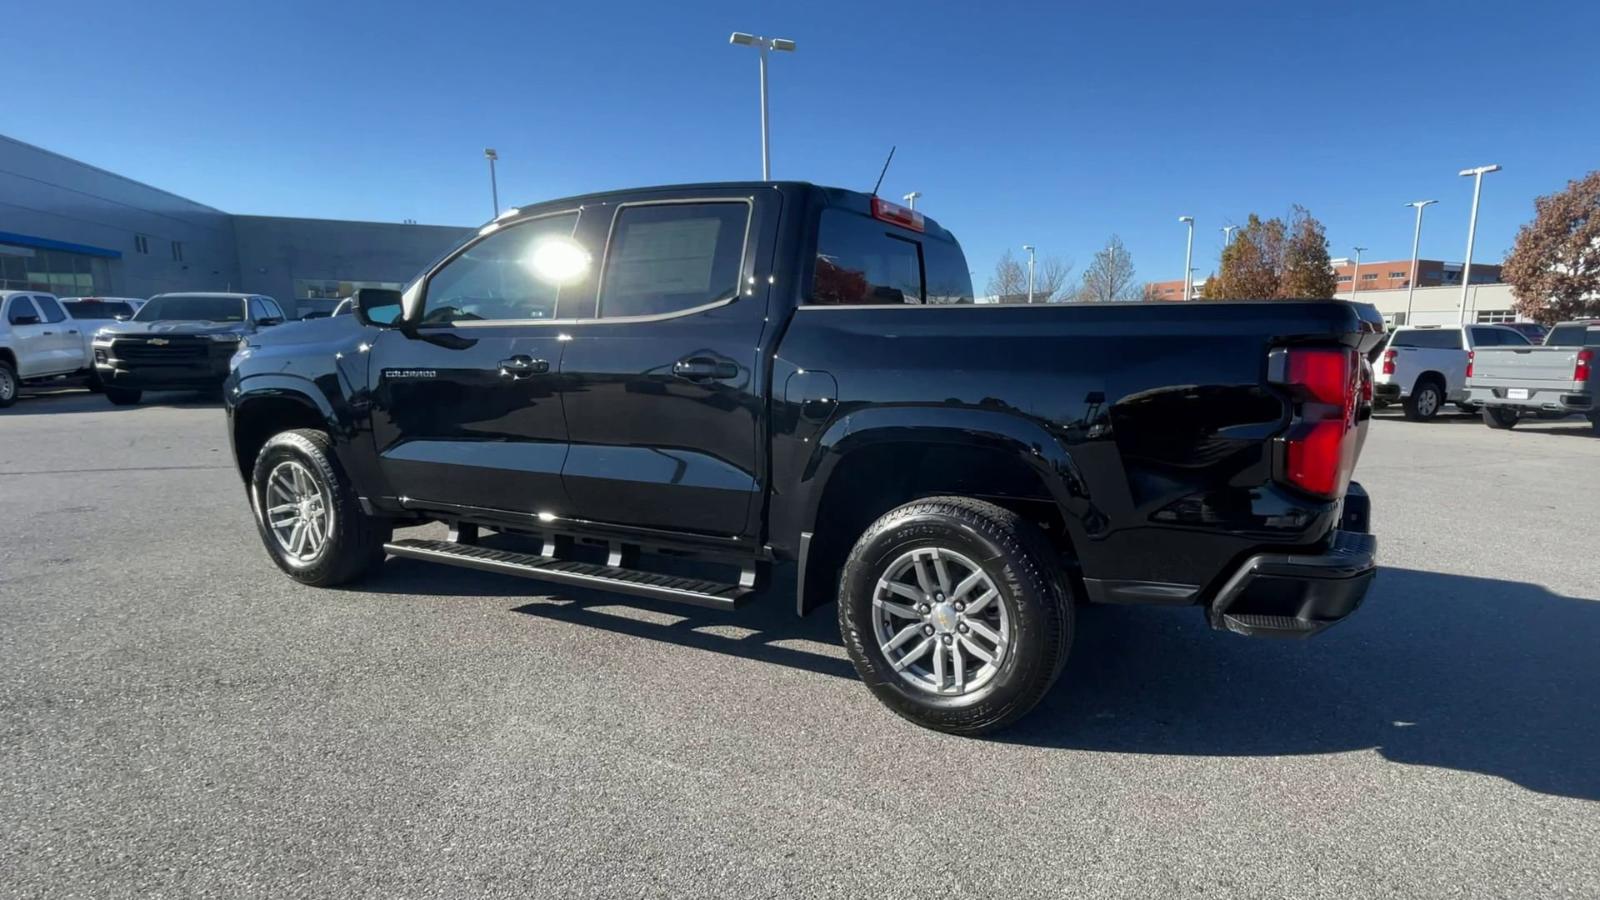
{"points": [[883, 172]]}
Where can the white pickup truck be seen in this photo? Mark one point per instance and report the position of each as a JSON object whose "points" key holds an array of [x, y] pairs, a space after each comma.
{"points": [[1423, 368], [37, 341], [1552, 381]]}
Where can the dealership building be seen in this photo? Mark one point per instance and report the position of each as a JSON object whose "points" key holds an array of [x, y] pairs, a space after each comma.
{"points": [[75, 230]]}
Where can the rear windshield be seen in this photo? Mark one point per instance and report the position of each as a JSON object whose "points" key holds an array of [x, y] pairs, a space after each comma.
{"points": [[1572, 336], [1432, 339], [98, 309], [864, 262], [192, 309]]}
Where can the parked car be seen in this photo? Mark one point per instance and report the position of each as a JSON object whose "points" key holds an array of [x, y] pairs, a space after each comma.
{"points": [[37, 341], [758, 374], [1550, 381], [1424, 367], [92, 314], [178, 342]]}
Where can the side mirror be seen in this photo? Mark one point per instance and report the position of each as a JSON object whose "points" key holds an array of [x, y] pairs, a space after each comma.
{"points": [[377, 306], [25, 319], [269, 320], [121, 318]]}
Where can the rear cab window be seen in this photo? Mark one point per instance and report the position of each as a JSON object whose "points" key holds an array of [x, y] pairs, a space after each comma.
{"points": [[862, 261], [1428, 339], [98, 309], [1577, 335]]}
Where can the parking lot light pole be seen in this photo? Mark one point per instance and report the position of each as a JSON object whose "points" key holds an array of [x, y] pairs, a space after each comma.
{"points": [[911, 199], [1472, 230], [1416, 240], [494, 189], [763, 44], [1355, 277], [1029, 248], [1188, 256], [1227, 235]]}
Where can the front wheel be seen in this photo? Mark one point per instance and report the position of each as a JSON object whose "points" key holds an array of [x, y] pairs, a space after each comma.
{"points": [[956, 614], [307, 512], [1500, 417]]}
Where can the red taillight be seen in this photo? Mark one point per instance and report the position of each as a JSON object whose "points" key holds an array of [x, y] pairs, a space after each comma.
{"points": [[1471, 354], [1580, 371], [1320, 447], [1388, 361], [896, 215]]}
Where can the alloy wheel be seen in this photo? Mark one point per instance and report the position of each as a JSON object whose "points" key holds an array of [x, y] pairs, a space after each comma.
{"points": [[297, 510], [939, 621]]}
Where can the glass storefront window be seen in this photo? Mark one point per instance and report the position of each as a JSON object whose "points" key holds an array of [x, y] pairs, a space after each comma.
{"points": [[59, 272]]}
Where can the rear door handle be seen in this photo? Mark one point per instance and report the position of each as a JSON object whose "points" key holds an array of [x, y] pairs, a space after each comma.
{"points": [[520, 366], [703, 368]]}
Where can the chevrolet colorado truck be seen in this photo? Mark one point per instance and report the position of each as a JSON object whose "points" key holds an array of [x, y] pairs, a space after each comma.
{"points": [[780, 374], [1550, 381]]}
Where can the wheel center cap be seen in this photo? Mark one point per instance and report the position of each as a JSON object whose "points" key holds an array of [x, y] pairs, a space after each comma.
{"points": [[944, 617]]}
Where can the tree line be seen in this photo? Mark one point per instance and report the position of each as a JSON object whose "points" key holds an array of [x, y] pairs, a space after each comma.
{"points": [[1553, 267]]}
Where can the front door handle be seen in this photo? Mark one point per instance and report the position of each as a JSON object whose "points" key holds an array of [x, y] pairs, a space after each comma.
{"points": [[520, 366], [703, 368]]}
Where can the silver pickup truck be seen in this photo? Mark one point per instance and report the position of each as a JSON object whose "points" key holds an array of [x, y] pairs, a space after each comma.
{"points": [[1550, 381]]}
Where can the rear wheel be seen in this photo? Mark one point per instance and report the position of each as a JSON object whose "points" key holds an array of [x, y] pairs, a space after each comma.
{"points": [[1425, 401], [122, 396], [8, 384], [956, 614], [1500, 417], [307, 512]]}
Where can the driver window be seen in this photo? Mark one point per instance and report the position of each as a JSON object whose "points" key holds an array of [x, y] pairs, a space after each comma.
{"points": [[514, 273]]}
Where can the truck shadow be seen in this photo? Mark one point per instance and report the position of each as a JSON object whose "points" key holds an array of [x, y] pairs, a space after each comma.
{"points": [[1450, 671]]}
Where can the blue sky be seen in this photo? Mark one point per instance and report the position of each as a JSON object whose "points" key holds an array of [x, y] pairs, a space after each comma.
{"points": [[1053, 123]]}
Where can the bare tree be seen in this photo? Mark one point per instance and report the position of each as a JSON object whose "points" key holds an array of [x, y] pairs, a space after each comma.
{"points": [[1009, 283], [1110, 274], [1050, 277], [1010, 279]]}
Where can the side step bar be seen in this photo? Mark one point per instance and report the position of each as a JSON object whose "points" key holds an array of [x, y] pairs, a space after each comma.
{"points": [[590, 575]]}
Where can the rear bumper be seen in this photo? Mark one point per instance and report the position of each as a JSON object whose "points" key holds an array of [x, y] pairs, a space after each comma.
{"points": [[1559, 399], [1299, 594], [1387, 392]]}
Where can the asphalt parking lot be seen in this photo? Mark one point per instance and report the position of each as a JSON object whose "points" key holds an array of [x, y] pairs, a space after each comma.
{"points": [[180, 718]]}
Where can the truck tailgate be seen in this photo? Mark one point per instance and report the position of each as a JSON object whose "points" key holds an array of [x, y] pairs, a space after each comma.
{"points": [[1523, 366]]}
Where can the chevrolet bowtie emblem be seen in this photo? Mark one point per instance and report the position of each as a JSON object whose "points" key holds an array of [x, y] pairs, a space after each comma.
{"points": [[159, 341]]}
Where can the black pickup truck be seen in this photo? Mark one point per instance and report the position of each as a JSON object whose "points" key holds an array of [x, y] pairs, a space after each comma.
{"points": [[761, 374]]}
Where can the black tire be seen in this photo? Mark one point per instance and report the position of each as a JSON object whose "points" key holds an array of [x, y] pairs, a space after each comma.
{"points": [[9, 385], [94, 384], [1500, 417], [123, 396], [1017, 559], [1594, 425], [1426, 399], [354, 545]]}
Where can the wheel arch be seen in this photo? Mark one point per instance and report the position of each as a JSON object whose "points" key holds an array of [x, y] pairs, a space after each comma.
{"points": [[271, 405], [871, 462]]}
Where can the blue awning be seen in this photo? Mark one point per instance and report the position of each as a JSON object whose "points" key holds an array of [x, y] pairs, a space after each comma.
{"points": [[23, 240]]}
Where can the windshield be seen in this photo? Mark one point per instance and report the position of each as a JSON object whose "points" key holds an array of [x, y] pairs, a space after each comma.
{"points": [[192, 309], [98, 309]]}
